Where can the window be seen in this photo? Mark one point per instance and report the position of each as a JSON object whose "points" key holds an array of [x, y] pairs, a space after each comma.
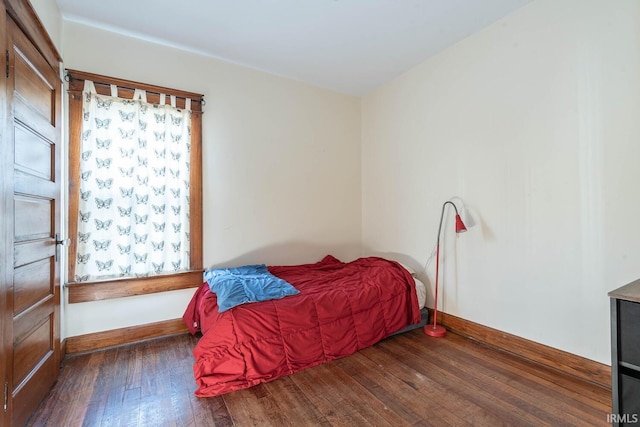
{"points": [[135, 217]]}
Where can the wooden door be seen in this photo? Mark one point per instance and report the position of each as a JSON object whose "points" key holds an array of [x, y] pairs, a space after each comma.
{"points": [[33, 294], [5, 247]]}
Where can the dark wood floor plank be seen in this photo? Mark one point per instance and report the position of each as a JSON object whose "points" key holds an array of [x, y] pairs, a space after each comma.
{"points": [[356, 396], [397, 394], [555, 380], [521, 382], [497, 395], [95, 388], [455, 372], [134, 368], [131, 399], [69, 401], [180, 402], [430, 389], [408, 379], [578, 409], [210, 412], [312, 384], [292, 400], [255, 406]]}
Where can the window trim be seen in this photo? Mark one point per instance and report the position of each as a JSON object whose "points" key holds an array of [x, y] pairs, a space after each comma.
{"points": [[118, 288]]}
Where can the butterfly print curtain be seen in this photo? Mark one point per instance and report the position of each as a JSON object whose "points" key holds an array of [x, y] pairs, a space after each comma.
{"points": [[134, 187]]}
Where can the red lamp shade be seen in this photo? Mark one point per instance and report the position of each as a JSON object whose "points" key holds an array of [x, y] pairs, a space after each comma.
{"points": [[460, 228]]}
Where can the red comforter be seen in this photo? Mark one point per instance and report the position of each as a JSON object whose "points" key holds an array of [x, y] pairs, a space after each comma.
{"points": [[341, 308]]}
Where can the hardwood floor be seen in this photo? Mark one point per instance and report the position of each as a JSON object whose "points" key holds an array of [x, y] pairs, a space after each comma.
{"points": [[408, 379]]}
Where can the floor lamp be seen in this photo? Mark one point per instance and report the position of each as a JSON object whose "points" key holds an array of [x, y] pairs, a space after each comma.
{"points": [[435, 330]]}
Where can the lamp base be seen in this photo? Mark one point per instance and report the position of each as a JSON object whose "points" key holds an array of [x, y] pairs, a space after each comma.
{"points": [[435, 331]]}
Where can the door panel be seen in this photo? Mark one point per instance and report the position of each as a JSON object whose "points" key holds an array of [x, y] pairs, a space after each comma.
{"points": [[34, 291], [22, 326], [37, 92], [22, 111], [31, 153], [33, 217], [31, 350], [32, 283]]}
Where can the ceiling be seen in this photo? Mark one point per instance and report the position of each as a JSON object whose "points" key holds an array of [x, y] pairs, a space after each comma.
{"points": [[349, 46]]}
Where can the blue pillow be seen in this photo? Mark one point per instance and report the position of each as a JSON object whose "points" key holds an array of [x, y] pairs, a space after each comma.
{"points": [[249, 283]]}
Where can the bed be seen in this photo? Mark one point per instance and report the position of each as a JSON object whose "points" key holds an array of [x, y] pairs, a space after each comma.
{"points": [[333, 310]]}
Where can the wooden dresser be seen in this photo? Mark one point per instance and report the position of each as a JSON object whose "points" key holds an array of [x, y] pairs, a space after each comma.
{"points": [[625, 354]]}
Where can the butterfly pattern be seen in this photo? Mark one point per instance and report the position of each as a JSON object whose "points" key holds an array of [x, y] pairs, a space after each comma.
{"points": [[140, 239], [157, 268], [106, 265], [127, 134], [125, 211], [126, 192], [129, 225], [126, 172], [159, 191], [101, 246], [103, 123], [127, 117], [103, 225], [103, 204], [142, 200], [103, 163], [104, 184], [103, 143]]}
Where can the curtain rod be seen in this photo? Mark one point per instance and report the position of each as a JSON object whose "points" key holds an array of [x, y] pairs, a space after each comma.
{"points": [[157, 91]]}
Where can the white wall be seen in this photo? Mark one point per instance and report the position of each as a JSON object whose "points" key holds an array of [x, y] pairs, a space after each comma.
{"points": [[49, 14], [281, 165], [534, 124]]}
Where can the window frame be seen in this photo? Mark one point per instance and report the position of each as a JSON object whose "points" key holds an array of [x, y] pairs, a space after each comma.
{"points": [[118, 288]]}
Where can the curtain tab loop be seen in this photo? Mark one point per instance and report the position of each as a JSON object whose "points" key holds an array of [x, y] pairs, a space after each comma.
{"points": [[89, 87], [114, 91], [140, 94]]}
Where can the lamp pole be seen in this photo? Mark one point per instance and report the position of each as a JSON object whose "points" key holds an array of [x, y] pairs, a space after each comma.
{"points": [[435, 330]]}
